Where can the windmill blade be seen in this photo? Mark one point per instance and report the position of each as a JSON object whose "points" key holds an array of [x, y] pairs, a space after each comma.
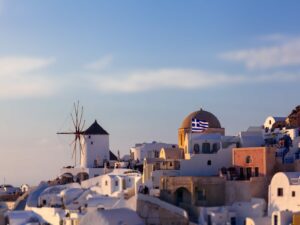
{"points": [[76, 115], [78, 123], [82, 126], [74, 148], [81, 144], [74, 152], [65, 133], [73, 120], [72, 143], [81, 152], [81, 114]]}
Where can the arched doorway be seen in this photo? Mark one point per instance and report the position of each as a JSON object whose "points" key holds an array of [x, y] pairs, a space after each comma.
{"points": [[67, 178], [182, 195], [82, 176]]}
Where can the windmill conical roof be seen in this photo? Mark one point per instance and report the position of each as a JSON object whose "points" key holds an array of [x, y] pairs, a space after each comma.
{"points": [[95, 128]]}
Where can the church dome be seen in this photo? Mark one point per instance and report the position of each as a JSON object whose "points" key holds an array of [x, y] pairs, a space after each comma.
{"points": [[201, 115]]}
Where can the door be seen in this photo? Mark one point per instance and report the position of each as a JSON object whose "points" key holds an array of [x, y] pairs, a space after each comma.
{"points": [[249, 172]]}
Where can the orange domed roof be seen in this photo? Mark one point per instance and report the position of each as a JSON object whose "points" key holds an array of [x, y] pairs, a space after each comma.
{"points": [[201, 115]]}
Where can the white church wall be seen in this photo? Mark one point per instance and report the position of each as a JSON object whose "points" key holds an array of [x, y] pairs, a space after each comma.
{"points": [[207, 164], [282, 194]]}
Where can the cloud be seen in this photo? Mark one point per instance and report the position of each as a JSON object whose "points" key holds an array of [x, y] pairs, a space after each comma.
{"points": [[184, 79], [21, 77], [101, 63], [286, 53], [275, 37], [18, 65]]}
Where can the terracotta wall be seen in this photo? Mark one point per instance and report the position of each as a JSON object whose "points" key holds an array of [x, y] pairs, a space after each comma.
{"points": [[262, 158]]}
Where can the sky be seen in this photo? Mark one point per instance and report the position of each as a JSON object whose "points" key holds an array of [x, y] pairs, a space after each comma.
{"points": [[138, 67]]}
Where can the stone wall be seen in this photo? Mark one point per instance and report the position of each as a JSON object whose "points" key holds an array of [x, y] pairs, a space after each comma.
{"points": [[157, 212], [242, 191]]}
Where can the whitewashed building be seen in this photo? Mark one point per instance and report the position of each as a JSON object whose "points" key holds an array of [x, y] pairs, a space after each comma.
{"points": [[206, 152], [148, 150], [272, 120], [284, 192], [96, 147], [117, 183], [96, 157]]}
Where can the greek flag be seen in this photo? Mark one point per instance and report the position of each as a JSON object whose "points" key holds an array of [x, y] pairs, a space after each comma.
{"points": [[199, 125]]}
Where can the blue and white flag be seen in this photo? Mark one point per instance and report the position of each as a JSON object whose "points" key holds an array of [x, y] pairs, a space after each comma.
{"points": [[199, 125]]}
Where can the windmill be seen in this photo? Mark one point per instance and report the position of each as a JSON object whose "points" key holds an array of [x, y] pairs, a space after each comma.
{"points": [[78, 123]]}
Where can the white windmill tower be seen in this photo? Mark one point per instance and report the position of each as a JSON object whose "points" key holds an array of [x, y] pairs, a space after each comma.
{"points": [[92, 144], [95, 144]]}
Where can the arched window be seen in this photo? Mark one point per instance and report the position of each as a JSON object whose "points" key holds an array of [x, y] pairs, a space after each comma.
{"points": [[206, 147], [248, 159], [196, 148], [215, 147]]}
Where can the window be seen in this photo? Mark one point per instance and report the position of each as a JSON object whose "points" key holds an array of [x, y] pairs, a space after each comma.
{"points": [[196, 148], [249, 172], [215, 147], [201, 195], [209, 222], [89, 136], [209, 162], [156, 154], [95, 163], [270, 122], [256, 171], [232, 221], [181, 139], [242, 173], [116, 183], [92, 142], [106, 183], [275, 220], [171, 164], [206, 147], [248, 159], [279, 192], [293, 194]]}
